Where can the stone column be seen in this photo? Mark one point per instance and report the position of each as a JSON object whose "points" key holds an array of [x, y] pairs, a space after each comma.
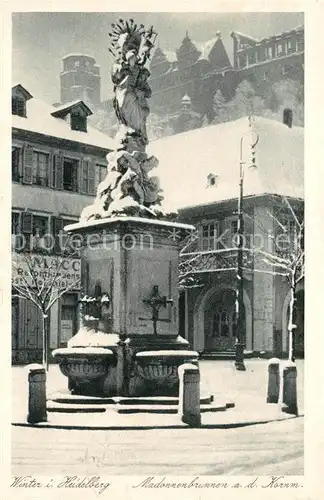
{"points": [[36, 394], [189, 394]]}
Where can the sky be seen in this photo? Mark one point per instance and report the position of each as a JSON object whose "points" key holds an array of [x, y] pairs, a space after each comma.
{"points": [[41, 39]]}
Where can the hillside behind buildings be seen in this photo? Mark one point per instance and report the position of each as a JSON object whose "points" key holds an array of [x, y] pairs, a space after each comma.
{"points": [[262, 99]]}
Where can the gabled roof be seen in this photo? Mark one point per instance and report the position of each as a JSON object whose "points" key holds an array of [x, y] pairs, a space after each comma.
{"points": [[39, 119], [186, 160], [18, 87], [205, 48], [218, 55], [64, 109]]}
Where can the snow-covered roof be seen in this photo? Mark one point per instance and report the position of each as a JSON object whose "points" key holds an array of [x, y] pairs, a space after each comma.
{"points": [[18, 87], [205, 48], [186, 160], [39, 119], [64, 109]]}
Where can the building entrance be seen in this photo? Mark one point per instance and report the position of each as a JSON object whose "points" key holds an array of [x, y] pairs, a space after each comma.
{"points": [[221, 322]]}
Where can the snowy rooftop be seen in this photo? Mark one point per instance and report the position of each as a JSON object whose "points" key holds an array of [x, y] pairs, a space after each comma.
{"points": [[186, 160], [205, 48], [40, 120], [69, 105]]}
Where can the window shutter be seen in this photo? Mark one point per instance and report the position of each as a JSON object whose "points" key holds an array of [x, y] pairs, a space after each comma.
{"points": [[84, 176], [26, 222], [91, 178], [28, 165], [57, 171], [56, 227]]}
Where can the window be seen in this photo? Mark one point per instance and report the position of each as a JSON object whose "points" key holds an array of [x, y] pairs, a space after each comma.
{"points": [[279, 49], [39, 230], [288, 235], [15, 164], [101, 172], [78, 122], [221, 322], [300, 45], [40, 168], [265, 75], [208, 236], [70, 174], [18, 106], [33, 228], [234, 226], [269, 53], [251, 57], [212, 180], [61, 237]]}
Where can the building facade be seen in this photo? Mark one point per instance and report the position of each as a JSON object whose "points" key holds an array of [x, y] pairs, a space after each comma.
{"points": [[200, 73], [205, 163], [57, 162]]}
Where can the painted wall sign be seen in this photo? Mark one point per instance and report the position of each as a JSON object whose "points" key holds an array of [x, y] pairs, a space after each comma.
{"points": [[44, 268]]}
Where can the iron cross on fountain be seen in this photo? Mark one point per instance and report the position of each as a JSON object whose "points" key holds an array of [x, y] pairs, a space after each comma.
{"points": [[156, 302]]}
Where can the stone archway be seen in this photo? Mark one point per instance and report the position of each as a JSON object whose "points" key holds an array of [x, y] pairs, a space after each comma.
{"points": [[299, 333], [199, 341]]}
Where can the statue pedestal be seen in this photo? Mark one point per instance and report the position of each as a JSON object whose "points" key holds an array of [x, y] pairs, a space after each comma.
{"points": [[135, 261]]}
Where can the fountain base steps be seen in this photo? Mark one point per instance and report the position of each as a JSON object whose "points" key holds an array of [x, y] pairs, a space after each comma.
{"points": [[68, 403]]}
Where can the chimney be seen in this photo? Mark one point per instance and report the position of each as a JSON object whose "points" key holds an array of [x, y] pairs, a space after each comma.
{"points": [[288, 117]]}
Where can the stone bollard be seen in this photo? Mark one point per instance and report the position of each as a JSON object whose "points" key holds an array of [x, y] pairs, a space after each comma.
{"points": [[289, 388], [189, 394], [273, 381], [36, 394]]}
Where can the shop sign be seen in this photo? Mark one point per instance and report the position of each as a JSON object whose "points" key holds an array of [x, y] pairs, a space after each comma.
{"points": [[44, 268]]}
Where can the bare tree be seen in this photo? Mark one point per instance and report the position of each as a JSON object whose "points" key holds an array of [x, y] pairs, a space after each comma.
{"points": [[39, 279], [286, 258]]}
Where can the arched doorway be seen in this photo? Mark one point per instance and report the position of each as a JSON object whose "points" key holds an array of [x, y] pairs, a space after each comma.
{"points": [[299, 321], [215, 320], [221, 321]]}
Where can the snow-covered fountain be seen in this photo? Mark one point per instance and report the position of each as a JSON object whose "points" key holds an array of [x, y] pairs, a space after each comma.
{"points": [[128, 342]]}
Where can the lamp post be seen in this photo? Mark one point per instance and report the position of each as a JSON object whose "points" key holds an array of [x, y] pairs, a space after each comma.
{"points": [[240, 340]]}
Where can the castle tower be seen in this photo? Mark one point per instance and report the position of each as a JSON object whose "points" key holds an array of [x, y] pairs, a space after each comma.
{"points": [[188, 53], [80, 79]]}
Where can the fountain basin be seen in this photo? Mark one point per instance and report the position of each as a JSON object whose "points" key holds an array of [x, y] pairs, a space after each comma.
{"points": [[85, 367], [161, 367]]}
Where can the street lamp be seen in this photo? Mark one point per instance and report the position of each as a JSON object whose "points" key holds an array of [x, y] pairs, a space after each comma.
{"points": [[239, 304]]}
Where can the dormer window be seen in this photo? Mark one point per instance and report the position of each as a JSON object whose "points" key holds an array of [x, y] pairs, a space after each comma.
{"points": [[18, 106], [19, 97], [76, 112], [78, 122], [212, 180]]}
